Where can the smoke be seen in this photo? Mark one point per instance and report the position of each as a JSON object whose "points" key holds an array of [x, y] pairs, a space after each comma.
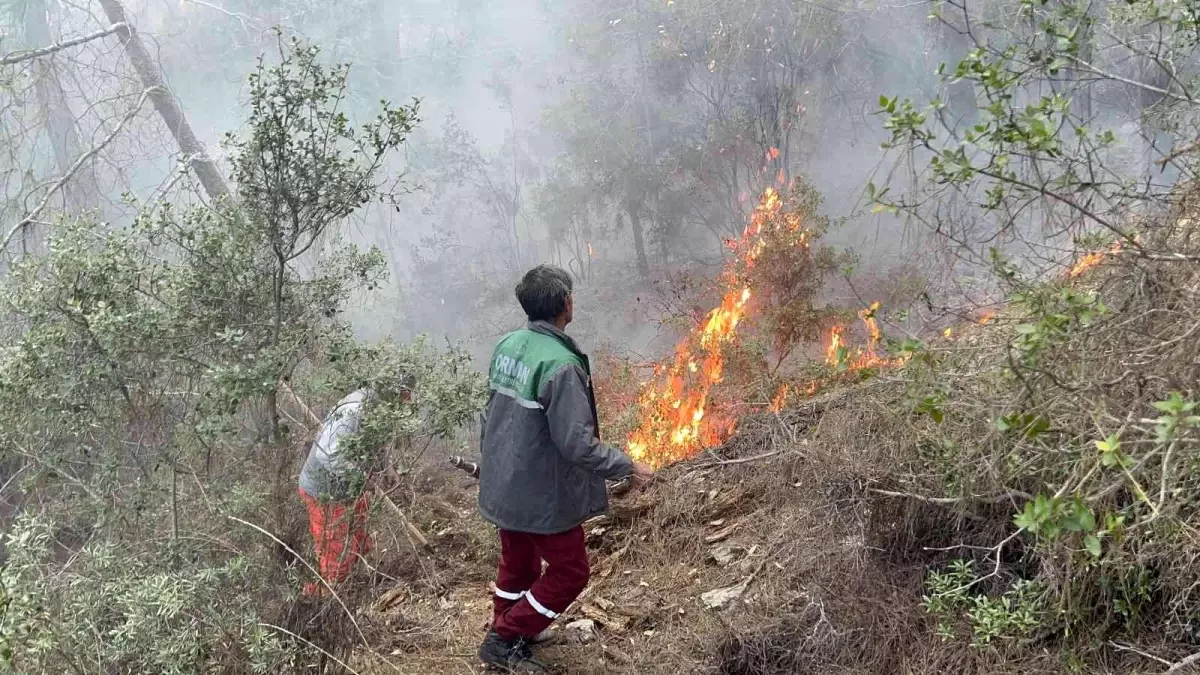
{"points": [[554, 131]]}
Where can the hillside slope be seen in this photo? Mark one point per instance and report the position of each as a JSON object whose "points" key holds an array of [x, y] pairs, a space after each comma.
{"points": [[1016, 498]]}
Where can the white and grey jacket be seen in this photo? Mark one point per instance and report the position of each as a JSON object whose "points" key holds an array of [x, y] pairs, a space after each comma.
{"points": [[328, 474]]}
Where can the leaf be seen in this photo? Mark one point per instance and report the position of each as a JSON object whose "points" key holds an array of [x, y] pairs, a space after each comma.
{"points": [[1036, 426], [1087, 519], [1092, 543], [1027, 519]]}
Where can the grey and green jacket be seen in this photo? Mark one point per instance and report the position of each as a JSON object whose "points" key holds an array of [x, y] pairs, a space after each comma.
{"points": [[543, 466]]}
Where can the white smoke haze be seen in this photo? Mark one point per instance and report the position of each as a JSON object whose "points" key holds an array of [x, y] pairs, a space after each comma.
{"points": [[547, 129]]}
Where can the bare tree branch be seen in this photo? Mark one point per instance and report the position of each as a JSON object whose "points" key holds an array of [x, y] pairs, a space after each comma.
{"points": [[83, 159], [1132, 82], [25, 55], [165, 103], [1179, 666]]}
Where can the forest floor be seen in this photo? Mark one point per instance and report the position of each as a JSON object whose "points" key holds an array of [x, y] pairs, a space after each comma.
{"points": [[752, 559]]}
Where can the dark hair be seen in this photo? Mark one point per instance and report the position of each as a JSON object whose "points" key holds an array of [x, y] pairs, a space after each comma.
{"points": [[543, 292]]}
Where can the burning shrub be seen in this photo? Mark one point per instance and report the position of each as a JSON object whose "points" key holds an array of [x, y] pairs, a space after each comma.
{"points": [[774, 275]]}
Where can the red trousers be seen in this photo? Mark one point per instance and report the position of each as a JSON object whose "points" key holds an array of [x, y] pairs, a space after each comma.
{"points": [[339, 534], [528, 600]]}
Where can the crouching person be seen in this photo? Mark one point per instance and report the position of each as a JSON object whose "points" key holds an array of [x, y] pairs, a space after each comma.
{"points": [[333, 486], [542, 471]]}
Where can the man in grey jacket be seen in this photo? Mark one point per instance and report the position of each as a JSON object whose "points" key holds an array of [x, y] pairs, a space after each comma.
{"points": [[542, 471]]}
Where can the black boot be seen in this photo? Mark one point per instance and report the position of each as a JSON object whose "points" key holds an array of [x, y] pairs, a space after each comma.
{"points": [[510, 656]]}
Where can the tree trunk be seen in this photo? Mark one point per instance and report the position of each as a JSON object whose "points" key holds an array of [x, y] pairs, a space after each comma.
{"points": [[639, 241], [165, 103], [82, 191]]}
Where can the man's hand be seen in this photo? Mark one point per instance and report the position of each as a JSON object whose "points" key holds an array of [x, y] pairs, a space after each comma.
{"points": [[642, 473]]}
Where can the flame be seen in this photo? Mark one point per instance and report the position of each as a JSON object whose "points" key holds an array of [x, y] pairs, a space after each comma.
{"points": [[677, 416], [676, 421], [1086, 263], [986, 318], [779, 399], [837, 353], [590, 253], [833, 353], [1090, 260]]}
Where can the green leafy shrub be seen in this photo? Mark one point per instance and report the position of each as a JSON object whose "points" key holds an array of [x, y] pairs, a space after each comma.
{"points": [[141, 408]]}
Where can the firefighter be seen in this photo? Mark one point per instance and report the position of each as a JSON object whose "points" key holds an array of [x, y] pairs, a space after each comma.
{"points": [[333, 488], [543, 470]]}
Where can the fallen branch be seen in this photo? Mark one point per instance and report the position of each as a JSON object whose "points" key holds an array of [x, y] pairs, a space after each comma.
{"points": [[1176, 154], [1129, 648], [27, 54], [999, 549], [1184, 97], [997, 499], [740, 460], [164, 102], [1178, 666], [312, 416], [414, 535], [83, 159]]}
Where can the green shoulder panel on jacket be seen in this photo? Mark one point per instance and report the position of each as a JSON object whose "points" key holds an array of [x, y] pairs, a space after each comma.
{"points": [[522, 363]]}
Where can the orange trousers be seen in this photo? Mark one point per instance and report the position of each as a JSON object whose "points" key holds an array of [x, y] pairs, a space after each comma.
{"points": [[339, 534]]}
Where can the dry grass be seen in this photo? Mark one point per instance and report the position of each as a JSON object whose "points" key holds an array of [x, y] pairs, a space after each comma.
{"points": [[836, 569]]}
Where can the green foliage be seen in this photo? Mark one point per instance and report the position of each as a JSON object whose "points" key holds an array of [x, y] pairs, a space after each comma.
{"points": [[110, 611], [303, 166], [949, 598], [1051, 517], [448, 395], [1054, 312], [133, 385], [932, 406]]}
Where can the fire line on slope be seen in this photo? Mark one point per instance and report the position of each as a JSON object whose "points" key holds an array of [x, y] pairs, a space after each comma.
{"points": [[677, 415]]}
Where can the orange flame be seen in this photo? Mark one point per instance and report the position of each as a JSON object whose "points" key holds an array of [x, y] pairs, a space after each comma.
{"points": [[674, 423], [779, 399], [837, 353], [1090, 260], [675, 419], [833, 353]]}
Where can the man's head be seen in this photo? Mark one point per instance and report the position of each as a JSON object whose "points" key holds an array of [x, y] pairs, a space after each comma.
{"points": [[545, 295]]}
